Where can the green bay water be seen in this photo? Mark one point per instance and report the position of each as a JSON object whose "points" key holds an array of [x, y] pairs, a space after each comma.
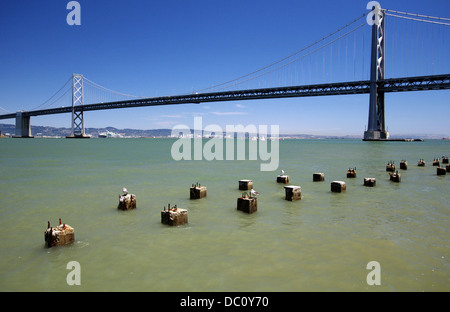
{"points": [[321, 243]]}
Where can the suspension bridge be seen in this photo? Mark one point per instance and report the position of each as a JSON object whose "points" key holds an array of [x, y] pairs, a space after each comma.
{"points": [[418, 45]]}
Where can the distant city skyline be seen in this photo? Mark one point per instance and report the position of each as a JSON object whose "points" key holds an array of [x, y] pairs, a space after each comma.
{"points": [[156, 48]]}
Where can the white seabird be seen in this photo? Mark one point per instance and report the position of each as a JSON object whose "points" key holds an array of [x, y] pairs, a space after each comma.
{"points": [[253, 193]]}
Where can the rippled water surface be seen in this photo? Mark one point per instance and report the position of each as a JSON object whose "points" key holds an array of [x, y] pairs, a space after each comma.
{"points": [[321, 243]]}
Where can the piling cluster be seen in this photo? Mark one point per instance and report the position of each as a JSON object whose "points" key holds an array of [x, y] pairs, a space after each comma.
{"points": [[441, 170], [64, 234], [444, 169]]}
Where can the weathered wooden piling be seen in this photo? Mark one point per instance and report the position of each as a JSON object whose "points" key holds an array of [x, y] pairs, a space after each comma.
{"points": [[444, 159], [441, 171], [447, 168], [403, 164], [390, 166], [245, 185], [370, 181], [421, 163], [395, 177], [436, 162], [247, 204], [293, 192], [127, 201], [283, 179], [338, 186], [197, 191], [318, 177], [351, 173], [174, 216], [61, 235]]}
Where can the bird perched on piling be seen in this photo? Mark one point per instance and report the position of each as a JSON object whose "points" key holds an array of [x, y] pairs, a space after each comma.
{"points": [[282, 172]]}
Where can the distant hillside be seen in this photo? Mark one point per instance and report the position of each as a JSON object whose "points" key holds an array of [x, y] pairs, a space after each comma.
{"points": [[43, 131]]}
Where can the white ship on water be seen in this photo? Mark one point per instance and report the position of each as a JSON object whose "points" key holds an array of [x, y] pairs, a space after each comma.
{"points": [[109, 134]]}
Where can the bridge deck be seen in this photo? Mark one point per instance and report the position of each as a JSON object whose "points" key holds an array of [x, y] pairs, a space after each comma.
{"points": [[421, 83]]}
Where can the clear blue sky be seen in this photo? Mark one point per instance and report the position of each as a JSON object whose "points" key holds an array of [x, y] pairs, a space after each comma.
{"points": [[166, 47]]}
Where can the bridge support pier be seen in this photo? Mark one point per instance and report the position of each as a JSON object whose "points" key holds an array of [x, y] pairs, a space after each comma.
{"points": [[23, 126], [77, 116], [376, 129], [375, 135]]}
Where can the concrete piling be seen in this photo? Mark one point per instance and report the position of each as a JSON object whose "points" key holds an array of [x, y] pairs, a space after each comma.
{"points": [[293, 192], [390, 166], [126, 201], [197, 191], [370, 181], [318, 177], [247, 204], [283, 179], [351, 173], [245, 185], [404, 165], [436, 162], [338, 186], [63, 234], [174, 216], [395, 177]]}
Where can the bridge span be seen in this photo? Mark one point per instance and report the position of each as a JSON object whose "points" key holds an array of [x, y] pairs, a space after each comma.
{"points": [[377, 86], [421, 83]]}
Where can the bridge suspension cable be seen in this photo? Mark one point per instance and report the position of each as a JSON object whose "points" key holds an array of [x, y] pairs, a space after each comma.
{"points": [[95, 93], [96, 85], [305, 55], [270, 68], [6, 111], [429, 19], [54, 98], [418, 44]]}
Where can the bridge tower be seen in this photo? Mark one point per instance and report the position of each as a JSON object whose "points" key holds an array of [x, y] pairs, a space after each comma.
{"points": [[376, 129], [77, 100], [23, 126]]}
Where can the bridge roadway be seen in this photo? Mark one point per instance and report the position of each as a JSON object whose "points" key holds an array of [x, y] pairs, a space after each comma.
{"points": [[420, 83]]}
